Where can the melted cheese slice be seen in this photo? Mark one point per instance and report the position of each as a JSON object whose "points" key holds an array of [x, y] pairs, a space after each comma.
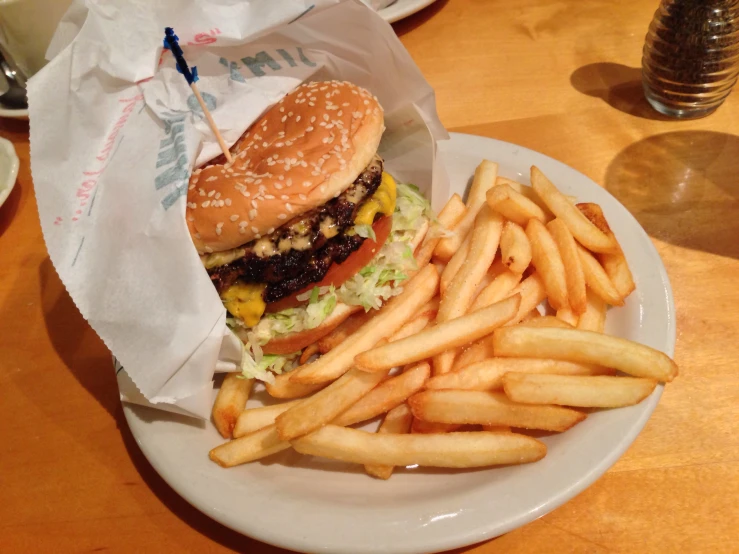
{"points": [[244, 300]]}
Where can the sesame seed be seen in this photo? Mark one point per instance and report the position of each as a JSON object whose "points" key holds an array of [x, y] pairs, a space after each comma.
{"points": [[265, 144], [205, 204], [309, 129], [297, 119], [300, 154], [340, 113], [311, 104], [192, 205], [254, 204], [312, 118], [201, 192], [211, 178], [279, 144], [325, 117], [289, 207], [284, 118], [190, 218], [254, 229], [315, 173], [302, 196], [218, 195], [282, 110], [218, 231], [269, 197], [242, 231], [243, 224], [289, 182], [208, 249], [284, 197], [278, 186], [197, 236], [257, 236], [211, 193], [234, 217], [281, 216], [307, 183], [252, 214], [227, 201], [270, 230]]}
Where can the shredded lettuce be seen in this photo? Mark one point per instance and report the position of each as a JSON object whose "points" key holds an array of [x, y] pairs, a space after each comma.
{"points": [[370, 288]]}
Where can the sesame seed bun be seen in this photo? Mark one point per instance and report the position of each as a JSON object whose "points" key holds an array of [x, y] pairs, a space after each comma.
{"points": [[304, 151]]}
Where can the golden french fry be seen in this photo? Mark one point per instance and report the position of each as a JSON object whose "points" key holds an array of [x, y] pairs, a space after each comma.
{"points": [[346, 329], [496, 428], [484, 179], [476, 352], [531, 316], [230, 402], [248, 448], [324, 406], [582, 229], [489, 408], [515, 247], [421, 289], [452, 212], [451, 269], [514, 206], [438, 338], [548, 263], [532, 293], [308, 352], [586, 347], [614, 264], [574, 275], [529, 192], [254, 419], [568, 316], [500, 287], [457, 450], [547, 321], [386, 396], [283, 387], [597, 279], [398, 422], [422, 427], [577, 390], [594, 318], [488, 374]]}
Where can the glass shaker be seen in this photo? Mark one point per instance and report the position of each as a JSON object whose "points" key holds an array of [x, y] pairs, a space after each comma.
{"points": [[691, 56]]}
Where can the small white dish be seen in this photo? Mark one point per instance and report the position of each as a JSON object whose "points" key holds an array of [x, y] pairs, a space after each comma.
{"points": [[8, 169], [403, 8], [12, 113], [314, 505]]}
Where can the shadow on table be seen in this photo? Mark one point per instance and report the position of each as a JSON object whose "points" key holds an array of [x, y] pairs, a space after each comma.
{"points": [[683, 188], [409, 23], [10, 208], [619, 86]]}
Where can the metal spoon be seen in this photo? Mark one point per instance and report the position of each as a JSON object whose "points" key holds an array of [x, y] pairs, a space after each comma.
{"points": [[15, 96]]}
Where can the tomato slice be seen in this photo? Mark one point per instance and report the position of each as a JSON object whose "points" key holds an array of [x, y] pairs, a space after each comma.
{"points": [[338, 273]]}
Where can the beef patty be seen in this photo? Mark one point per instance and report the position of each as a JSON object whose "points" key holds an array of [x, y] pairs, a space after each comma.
{"points": [[301, 251]]}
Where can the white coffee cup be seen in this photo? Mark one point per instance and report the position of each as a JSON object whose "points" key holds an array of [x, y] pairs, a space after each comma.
{"points": [[26, 28]]}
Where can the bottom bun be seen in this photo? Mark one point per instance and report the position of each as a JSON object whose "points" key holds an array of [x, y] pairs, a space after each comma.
{"points": [[295, 342]]}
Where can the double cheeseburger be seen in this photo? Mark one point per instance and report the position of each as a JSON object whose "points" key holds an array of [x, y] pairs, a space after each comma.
{"points": [[303, 208]]}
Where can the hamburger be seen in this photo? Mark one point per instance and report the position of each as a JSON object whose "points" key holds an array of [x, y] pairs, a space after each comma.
{"points": [[304, 227]]}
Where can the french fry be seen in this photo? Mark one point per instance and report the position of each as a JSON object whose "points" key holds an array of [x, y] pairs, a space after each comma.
{"points": [[500, 287], [614, 264], [488, 278], [455, 450], [574, 276], [515, 248], [421, 289], [456, 261], [254, 419], [594, 318], [230, 402], [284, 388], [397, 421], [325, 406], [576, 390], [387, 395], [496, 428], [568, 316], [585, 347], [308, 352], [547, 321], [248, 448], [484, 241], [484, 179], [438, 338], [548, 263], [597, 279], [489, 408], [582, 229], [532, 293], [514, 206], [476, 352], [532, 315], [529, 192], [421, 427], [488, 374], [452, 212], [347, 328]]}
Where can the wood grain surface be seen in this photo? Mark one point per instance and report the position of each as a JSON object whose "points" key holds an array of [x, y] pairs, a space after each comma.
{"points": [[560, 77]]}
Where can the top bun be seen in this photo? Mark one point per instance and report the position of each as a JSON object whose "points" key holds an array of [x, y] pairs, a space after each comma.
{"points": [[305, 150]]}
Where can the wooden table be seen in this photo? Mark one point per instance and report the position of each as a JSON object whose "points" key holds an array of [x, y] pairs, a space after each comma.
{"points": [[558, 77]]}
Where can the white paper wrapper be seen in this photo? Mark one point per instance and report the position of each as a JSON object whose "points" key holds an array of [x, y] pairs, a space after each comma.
{"points": [[115, 133]]}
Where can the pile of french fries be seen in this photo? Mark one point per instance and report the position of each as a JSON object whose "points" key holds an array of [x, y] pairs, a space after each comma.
{"points": [[476, 356]]}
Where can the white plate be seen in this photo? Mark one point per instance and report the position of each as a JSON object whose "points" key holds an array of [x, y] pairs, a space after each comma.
{"points": [[8, 169], [403, 8], [315, 505], [13, 113]]}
